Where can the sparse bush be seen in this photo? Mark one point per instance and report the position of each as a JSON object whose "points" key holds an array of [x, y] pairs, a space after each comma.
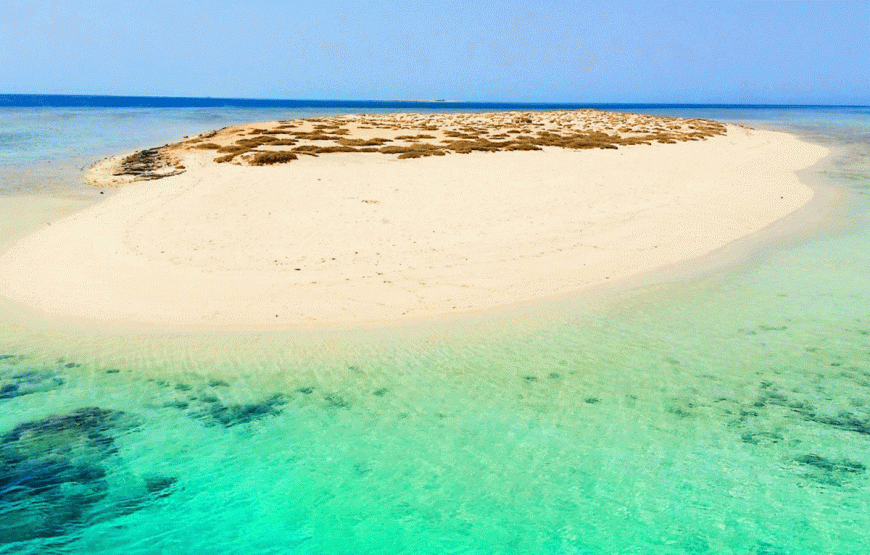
{"points": [[329, 149], [254, 142], [233, 149], [270, 158], [362, 142], [464, 134]]}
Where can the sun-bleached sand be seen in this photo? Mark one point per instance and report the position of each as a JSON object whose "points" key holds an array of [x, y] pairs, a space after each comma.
{"points": [[357, 237]]}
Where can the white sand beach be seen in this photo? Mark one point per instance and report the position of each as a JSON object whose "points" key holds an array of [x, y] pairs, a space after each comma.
{"points": [[360, 237]]}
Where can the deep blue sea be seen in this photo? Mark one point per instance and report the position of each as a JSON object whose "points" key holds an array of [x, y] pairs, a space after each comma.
{"points": [[724, 412]]}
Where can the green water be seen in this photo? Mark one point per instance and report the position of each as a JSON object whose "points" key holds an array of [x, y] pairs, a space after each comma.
{"points": [[727, 412]]}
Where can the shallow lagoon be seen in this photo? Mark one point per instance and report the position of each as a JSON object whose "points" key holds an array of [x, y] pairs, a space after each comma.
{"points": [[727, 411]]}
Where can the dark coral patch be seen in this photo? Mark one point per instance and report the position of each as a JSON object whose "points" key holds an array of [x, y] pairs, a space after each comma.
{"points": [[228, 416], [54, 475]]}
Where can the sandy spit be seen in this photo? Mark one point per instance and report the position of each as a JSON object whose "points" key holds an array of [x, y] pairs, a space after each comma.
{"points": [[354, 238]]}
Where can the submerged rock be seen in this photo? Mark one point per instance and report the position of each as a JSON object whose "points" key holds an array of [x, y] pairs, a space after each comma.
{"points": [[830, 465], [55, 465], [8, 390], [16, 382], [844, 421], [54, 475], [335, 401], [761, 437], [160, 486], [88, 424], [232, 415]]}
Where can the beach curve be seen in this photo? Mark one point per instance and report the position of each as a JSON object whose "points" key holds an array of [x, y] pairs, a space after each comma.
{"points": [[358, 236]]}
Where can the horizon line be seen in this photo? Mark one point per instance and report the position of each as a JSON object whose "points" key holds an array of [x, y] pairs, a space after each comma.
{"points": [[440, 101]]}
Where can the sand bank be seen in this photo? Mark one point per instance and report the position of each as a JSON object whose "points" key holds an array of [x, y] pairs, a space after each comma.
{"points": [[355, 237]]}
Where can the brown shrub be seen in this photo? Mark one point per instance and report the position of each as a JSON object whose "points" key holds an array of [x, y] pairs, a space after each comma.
{"points": [[254, 142], [420, 154], [269, 158], [233, 149], [362, 142], [459, 135], [332, 128], [314, 136], [484, 145], [413, 147], [328, 149]]}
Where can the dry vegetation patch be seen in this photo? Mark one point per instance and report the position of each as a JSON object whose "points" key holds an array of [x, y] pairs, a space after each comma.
{"points": [[272, 157], [407, 135]]}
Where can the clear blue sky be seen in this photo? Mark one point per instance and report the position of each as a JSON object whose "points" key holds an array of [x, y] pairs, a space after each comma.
{"points": [[560, 51]]}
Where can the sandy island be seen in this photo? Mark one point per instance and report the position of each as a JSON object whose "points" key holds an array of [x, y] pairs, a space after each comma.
{"points": [[372, 218]]}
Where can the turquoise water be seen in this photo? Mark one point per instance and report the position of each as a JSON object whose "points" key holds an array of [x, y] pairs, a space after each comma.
{"points": [[45, 149], [727, 412]]}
